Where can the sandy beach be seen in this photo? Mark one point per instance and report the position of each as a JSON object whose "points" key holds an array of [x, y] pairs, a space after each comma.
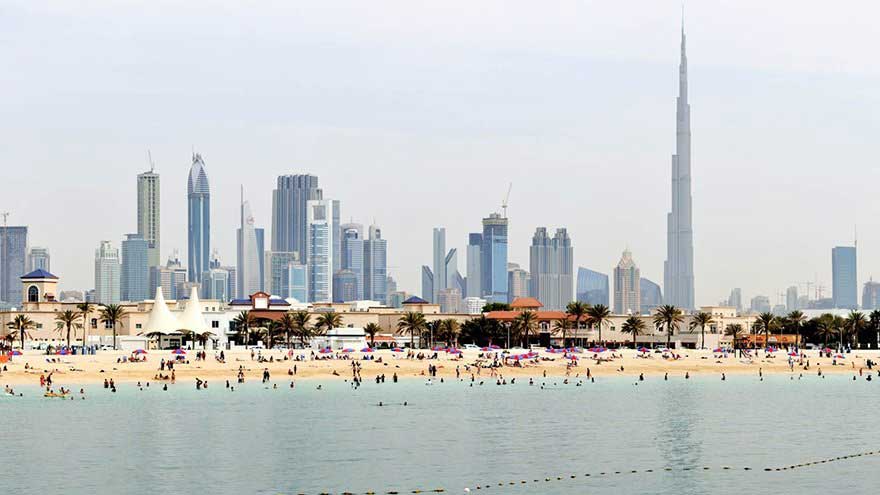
{"points": [[74, 370]]}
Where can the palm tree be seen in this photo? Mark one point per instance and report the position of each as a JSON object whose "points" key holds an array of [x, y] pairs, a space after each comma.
{"points": [[526, 322], [734, 330], [112, 314], [797, 319], [700, 320], [413, 323], [668, 317], [598, 315], [21, 324], [204, 337], [329, 320], [243, 323], [372, 329], [561, 325], [634, 326], [578, 311], [287, 325], [825, 327], [156, 335], [272, 330], [855, 322], [481, 331], [67, 319], [85, 308], [765, 323], [301, 320], [449, 329]]}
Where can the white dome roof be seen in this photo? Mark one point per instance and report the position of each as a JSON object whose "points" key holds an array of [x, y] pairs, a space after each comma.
{"points": [[161, 319]]}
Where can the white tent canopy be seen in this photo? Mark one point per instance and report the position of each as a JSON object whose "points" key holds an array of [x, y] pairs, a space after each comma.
{"points": [[192, 318], [161, 319]]}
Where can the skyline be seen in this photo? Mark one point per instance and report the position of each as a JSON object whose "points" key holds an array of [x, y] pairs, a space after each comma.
{"points": [[730, 254]]}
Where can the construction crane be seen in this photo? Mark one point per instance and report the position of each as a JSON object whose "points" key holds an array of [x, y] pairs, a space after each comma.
{"points": [[506, 199]]}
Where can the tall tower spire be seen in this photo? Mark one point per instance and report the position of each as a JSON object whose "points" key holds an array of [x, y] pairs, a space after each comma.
{"points": [[678, 270]]}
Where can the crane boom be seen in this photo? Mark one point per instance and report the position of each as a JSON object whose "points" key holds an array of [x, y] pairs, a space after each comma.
{"points": [[506, 199]]}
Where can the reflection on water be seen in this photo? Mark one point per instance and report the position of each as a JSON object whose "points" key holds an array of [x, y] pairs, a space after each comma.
{"points": [[258, 440]]}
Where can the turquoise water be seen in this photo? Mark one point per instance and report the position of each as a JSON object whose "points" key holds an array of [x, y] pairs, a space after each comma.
{"points": [[450, 435]]}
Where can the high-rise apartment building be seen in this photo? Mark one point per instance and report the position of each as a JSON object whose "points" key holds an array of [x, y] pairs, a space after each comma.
{"points": [[450, 300], [290, 213], [249, 254], [650, 296], [13, 257], [736, 299], [844, 276], [871, 296], [148, 213], [493, 263], [375, 266], [518, 281], [439, 260], [38, 259], [215, 285], [319, 249], [791, 298], [627, 287], [427, 283], [551, 267], [198, 219], [107, 267], [678, 270], [353, 253], [134, 279], [473, 275], [344, 286], [277, 273], [760, 304], [593, 287]]}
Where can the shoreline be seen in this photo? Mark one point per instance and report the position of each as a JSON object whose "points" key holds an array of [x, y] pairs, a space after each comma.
{"points": [[95, 368]]}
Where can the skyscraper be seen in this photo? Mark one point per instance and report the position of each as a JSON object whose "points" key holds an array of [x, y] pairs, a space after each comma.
{"points": [[871, 295], [518, 281], [353, 253], [375, 266], [627, 286], [344, 286], [844, 277], [551, 266], [493, 263], [439, 266], [650, 296], [475, 241], [678, 270], [107, 290], [148, 213], [215, 285], [13, 256], [290, 212], [277, 273], [248, 254], [134, 280], [427, 283], [199, 219], [319, 249], [736, 299], [593, 287], [38, 259], [791, 298]]}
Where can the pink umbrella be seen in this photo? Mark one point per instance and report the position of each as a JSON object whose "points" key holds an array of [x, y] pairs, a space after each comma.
{"points": [[484, 349], [840, 356], [178, 351], [139, 351], [397, 349], [644, 349], [348, 349], [366, 349], [792, 353], [325, 350]]}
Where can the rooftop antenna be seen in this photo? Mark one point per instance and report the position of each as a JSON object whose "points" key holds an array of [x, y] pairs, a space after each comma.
{"points": [[150, 159], [506, 200]]}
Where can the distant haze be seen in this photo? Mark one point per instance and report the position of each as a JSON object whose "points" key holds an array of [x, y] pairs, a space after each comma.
{"points": [[419, 116]]}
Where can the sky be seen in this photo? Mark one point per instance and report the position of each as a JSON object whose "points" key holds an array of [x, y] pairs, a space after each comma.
{"points": [[419, 114]]}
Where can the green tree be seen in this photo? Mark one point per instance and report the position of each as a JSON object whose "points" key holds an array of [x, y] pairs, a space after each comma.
{"points": [[634, 326], [496, 306], [287, 326], [243, 322], [598, 315], [412, 322], [855, 323], [67, 319], [329, 320], [701, 320], [449, 330], [765, 323], [525, 324], [481, 331], [302, 325], [372, 329], [112, 315], [797, 319], [578, 312], [21, 324], [668, 317], [562, 325], [734, 330]]}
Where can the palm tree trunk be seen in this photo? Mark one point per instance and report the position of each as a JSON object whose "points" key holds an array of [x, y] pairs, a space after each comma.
{"points": [[703, 336], [114, 336]]}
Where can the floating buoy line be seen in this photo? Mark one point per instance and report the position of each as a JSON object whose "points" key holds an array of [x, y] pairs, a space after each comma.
{"points": [[550, 479]]}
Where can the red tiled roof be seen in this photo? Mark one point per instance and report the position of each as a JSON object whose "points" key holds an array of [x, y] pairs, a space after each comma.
{"points": [[526, 303], [511, 315]]}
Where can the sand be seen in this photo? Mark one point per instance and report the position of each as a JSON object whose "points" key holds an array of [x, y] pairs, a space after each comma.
{"points": [[81, 370]]}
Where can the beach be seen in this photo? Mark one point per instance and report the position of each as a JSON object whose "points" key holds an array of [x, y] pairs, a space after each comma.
{"points": [[86, 369]]}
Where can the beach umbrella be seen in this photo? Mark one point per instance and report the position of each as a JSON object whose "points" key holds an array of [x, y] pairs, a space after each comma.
{"points": [[139, 351], [437, 348], [397, 349], [366, 349], [770, 349], [792, 353], [493, 346], [827, 349], [178, 351], [15, 353], [348, 349], [453, 350], [717, 349], [326, 350], [484, 349], [840, 356], [644, 349], [573, 358], [63, 352]]}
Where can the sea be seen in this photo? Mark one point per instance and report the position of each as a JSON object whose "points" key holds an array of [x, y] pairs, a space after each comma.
{"points": [[782, 434]]}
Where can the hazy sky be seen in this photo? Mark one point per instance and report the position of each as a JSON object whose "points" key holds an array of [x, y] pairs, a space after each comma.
{"points": [[418, 114]]}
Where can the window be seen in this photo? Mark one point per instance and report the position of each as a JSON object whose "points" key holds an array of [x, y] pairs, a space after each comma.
{"points": [[138, 325], [39, 326], [33, 294], [215, 324], [94, 323], [107, 324]]}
